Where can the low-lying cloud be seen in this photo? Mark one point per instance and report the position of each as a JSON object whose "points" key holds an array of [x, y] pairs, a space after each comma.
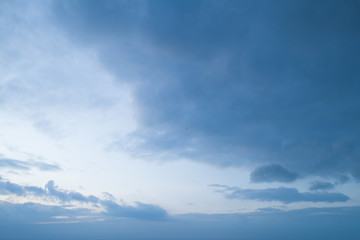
{"points": [[281, 194], [140, 210], [54, 193]]}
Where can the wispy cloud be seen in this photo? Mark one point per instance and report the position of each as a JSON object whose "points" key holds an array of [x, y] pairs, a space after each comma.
{"points": [[27, 165]]}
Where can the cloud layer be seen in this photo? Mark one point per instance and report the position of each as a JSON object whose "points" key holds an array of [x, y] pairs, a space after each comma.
{"points": [[35, 221]]}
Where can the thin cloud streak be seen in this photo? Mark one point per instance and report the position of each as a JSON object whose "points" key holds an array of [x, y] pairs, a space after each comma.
{"points": [[27, 165]]}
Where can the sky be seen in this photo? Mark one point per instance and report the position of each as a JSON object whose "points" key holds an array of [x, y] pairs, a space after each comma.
{"points": [[172, 119]]}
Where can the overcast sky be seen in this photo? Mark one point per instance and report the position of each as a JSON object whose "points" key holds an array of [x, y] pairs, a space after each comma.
{"points": [[179, 119]]}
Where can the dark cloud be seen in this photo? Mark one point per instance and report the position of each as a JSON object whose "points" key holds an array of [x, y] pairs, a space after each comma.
{"points": [[233, 83], [281, 194], [27, 165], [319, 185], [272, 173]]}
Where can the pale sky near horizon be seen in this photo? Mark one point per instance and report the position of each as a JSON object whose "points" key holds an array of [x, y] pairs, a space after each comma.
{"points": [[151, 109]]}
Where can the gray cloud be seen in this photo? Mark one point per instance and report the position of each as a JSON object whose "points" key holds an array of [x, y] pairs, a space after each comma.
{"points": [[342, 179], [248, 92], [141, 210], [51, 191], [67, 196], [272, 173], [281, 194], [34, 212], [27, 165], [319, 185]]}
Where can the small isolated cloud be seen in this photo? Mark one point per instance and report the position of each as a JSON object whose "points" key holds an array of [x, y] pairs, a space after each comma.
{"points": [[273, 173], [140, 210], [319, 185], [23, 165], [281, 194]]}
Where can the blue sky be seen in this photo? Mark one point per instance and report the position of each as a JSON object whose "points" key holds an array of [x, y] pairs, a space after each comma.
{"points": [[179, 119]]}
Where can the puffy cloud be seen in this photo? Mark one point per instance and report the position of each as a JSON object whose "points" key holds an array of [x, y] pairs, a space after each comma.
{"points": [[281, 194], [50, 190], [68, 196], [273, 173], [319, 185], [250, 94]]}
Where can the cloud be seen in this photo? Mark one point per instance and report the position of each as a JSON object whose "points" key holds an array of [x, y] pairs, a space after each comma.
{"points": [[272, 173], [50, 191], [319, 185], [140, 210], [53, 192], [23, 165], [250, 94], [15, 164], [342, 179], [281, 194], [35, 212], [68, 196], [45, 166]]}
